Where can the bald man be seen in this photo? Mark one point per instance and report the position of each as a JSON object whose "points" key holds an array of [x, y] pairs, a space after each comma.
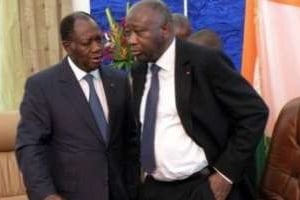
{"points": [[200, 121]]}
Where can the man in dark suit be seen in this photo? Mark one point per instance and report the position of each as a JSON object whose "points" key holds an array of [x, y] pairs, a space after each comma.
{"points": [[206, 37], [182, 26], [76, 139], [200, 120]]}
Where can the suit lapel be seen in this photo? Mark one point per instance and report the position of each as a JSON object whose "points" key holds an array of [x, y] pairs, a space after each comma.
{"points": [[183, 86], [110, 93], [138, 83], [72, 91]]}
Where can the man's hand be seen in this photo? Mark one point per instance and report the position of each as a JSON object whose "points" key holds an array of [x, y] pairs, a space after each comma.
{"points": [[54, 197], [219, 186]]}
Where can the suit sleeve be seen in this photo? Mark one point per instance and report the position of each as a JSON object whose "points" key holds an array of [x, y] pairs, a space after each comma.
{"points": [[33, 137], [132, 142], [246, 110]]}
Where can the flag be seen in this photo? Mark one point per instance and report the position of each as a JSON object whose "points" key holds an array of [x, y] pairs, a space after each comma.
{"points": [[270, 57], [271, 60]]}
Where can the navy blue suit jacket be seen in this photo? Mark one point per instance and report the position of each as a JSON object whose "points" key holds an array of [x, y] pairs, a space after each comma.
{"points": [[59, 147]]}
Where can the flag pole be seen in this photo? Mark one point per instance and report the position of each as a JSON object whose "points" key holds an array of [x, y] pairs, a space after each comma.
{"points": [[185, 8]]}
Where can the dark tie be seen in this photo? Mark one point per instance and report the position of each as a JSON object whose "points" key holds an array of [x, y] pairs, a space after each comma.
{"points": [[148, 134], [97, 108]]}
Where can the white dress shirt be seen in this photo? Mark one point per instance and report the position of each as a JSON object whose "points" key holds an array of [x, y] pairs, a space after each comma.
{"points": [[80, 74], [177, 155]]}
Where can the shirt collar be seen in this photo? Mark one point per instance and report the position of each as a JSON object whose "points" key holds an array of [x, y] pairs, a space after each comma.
{"points": [[79, 73], [167, 59]]}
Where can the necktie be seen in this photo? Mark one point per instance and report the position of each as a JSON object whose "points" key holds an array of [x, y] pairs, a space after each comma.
{"points": [[96, 108], [148, 133]]}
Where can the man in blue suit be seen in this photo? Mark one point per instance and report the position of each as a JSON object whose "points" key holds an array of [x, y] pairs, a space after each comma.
{"points": [[76, 139]]}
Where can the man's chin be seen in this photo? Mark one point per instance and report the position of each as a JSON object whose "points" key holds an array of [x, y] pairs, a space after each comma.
{"points": [[141, 58], [94, 66]]}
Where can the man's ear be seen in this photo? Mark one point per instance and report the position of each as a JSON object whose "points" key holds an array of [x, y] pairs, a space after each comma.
{"points": [[167, 29], [67, 45]]}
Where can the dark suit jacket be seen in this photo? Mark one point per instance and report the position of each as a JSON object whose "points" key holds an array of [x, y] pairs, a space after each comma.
{"points": [[59, 147], [219, 110]]}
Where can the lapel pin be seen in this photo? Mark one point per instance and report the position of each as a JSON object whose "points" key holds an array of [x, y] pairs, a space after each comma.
{"points": [[187, 72]]}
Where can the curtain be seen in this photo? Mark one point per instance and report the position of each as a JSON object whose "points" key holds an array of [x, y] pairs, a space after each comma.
{"points": [[12, 68], [29, 39], [39, 31]]}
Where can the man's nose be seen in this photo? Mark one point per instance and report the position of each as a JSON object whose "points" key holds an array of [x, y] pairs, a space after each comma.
{"points": [[97, 46], [131, 38]]}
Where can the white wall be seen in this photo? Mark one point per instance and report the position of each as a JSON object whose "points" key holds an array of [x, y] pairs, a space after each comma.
{"points": [[81, 5]]}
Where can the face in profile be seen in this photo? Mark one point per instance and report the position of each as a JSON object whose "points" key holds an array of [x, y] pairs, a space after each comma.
{"points": [[145, 34], [85, 45]]}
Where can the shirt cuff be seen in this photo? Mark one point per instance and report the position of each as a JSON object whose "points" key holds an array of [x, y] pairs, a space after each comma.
{"points": [[226, 178]]}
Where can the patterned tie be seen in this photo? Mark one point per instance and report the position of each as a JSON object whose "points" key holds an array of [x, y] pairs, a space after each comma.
{"points": [[97, 108], [148, 135]]}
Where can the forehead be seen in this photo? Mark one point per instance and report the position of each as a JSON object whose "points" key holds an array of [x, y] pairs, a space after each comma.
{"points": [[143, 16], [86, 27]]}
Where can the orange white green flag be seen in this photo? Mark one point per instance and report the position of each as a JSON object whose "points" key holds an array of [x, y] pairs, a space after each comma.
{"points": [[271, 59]]}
